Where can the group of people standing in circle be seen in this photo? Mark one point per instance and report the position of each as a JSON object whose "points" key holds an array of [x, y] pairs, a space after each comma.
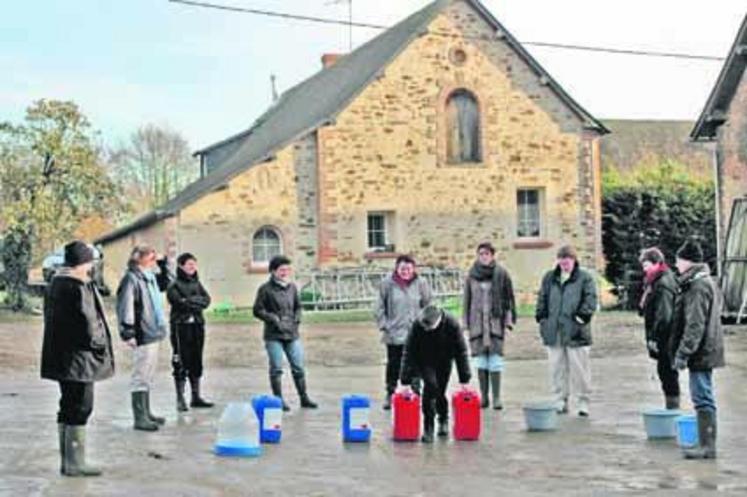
{"points": [[681, 315]]}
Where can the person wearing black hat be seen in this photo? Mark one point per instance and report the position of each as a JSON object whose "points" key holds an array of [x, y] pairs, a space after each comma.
{"points": [[278, 305], [76, 352], [657, 308], [188, 298], [698, 341], [434, 342]]}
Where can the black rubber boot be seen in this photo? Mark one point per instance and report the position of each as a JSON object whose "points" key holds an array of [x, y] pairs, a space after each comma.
{"points": [[74, 455], [495, 385], [181, 403], [276, 384], [443, 427], [306, 402], [672, 402], [140, 412], [427, 437], [159, 420], [61, 437], [197, 401], [388, 400], [482, 375], [706, 448]]}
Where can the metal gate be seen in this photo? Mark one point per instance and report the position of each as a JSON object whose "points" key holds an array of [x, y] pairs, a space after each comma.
{"points": [[734, 279]]}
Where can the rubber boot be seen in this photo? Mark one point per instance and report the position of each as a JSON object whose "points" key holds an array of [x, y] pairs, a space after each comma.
{"points": [[495, 385], [427, 437], [388, 400], [706, 448], [306, 402], [672, 402], [74, 456], [181, 404], [159, 420], [61, 437], [443, 427], [482, 375], [140, 412], [276, 384], [198, 401]]}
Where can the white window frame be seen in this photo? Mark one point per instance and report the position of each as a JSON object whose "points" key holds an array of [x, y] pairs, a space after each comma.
{"points": [[524, 217], [386, 231], [265, 245]]}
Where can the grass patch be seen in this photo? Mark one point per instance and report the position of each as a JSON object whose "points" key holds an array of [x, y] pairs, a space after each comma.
{"points": [[244, 316]]}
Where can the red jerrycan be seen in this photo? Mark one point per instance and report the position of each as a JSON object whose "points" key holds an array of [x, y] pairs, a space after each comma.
{"points": [[406, 416], [465, 405]]}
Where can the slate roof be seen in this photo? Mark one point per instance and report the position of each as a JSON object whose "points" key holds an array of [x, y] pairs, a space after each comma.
{"points": [[317, 100], [717, 107]]}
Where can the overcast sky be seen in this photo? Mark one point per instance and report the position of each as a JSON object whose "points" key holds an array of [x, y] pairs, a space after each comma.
{"points": [[207, 73]]}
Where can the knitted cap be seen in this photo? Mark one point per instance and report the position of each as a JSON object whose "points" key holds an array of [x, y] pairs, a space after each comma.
{"points": [[690, 251]]}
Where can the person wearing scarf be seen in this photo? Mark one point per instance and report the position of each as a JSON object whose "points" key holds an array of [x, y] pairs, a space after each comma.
{"points": [[657, 308], [401, 297], [489, 310], [188, 298], [278, 306], [76, 352], [142, 326]]}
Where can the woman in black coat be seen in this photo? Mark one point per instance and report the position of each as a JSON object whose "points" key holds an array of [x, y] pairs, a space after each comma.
{"points": [[657, 308], [77, 351], [188, 298]]}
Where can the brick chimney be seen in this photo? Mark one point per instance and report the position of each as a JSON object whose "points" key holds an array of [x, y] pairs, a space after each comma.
{"points": [[329, 59]]}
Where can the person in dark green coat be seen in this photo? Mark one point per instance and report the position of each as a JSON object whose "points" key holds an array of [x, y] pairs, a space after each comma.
{"points": [[566, 303], [657, 308], [698, 341]]}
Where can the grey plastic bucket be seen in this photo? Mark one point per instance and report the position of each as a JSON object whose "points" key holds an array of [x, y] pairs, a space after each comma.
{"points": [[541, 416], [660, 423]]}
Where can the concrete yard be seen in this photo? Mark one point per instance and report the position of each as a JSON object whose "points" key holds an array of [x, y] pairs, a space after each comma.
{"points": [[607, 454]]}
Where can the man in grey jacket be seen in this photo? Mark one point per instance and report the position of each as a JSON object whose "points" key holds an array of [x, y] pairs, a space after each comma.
{"points": [[142, 326], [401, 297], [566, 303]]}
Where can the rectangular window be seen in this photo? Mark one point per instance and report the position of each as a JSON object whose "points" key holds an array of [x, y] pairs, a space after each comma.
{"points": [[377, 226], [529, 213]]}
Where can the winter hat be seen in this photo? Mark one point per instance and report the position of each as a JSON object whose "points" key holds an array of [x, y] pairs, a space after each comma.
{"points": [[77, 253], [186, 256], [690, 251], [277, 261], [567, 251], [430, 317], [652, 255]]}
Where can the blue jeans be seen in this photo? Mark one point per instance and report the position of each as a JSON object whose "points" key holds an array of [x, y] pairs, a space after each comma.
{"points": [[492, 362], [701, 390], [293, 350]]}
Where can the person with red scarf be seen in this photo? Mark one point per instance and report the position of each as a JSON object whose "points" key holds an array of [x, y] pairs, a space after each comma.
{"points": [[657, 308], [402, 295]]}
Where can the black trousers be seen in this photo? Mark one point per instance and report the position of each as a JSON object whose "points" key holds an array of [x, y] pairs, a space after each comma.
{"points": [[76, 403], [670, 378], [436, 380], [187, 342], [394, 368]]}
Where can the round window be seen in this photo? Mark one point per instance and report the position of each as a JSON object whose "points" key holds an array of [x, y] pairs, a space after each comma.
{"points": [[458, 56]]}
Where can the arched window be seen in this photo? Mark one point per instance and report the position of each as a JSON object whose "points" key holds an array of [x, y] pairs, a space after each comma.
{"points": [[265, 245], [462, 128]]}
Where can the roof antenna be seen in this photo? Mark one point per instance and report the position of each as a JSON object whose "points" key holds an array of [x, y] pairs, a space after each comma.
{"points": [[273, 83], [350, 19]]}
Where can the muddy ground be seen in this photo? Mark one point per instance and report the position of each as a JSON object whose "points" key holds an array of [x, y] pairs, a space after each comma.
{"points": [[607, 454]]}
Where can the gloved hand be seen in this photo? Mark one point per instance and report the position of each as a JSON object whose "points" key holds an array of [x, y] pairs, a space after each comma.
{"points": [[679, 363]]}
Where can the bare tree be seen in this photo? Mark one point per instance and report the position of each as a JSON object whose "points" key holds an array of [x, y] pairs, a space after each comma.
{"points": [[153, 166]]}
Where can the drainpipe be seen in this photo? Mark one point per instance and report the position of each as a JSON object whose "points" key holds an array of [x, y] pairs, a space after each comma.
{"points": [[717, 170]]}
